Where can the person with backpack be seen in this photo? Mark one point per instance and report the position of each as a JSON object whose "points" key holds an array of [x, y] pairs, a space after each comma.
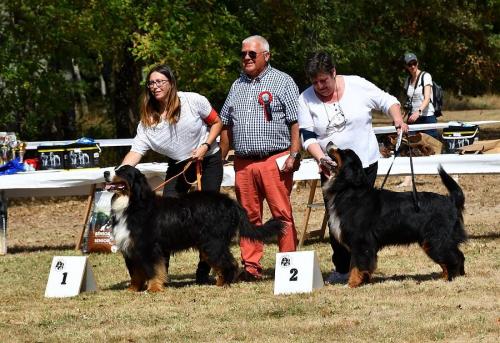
{"points": [[419, 91]]}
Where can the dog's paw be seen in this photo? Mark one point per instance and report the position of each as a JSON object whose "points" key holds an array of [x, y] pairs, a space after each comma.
{"points": [[154, 288]]}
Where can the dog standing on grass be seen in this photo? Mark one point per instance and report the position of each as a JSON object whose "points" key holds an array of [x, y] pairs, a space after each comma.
{"points": [[146, 227], [365, 219]]}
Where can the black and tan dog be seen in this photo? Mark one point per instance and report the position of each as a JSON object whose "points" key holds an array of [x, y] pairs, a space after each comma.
{"points": [[147, 227], [365, 219]]}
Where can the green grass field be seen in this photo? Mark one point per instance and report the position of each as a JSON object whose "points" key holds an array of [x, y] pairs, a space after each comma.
{"points": [[407, 302]]}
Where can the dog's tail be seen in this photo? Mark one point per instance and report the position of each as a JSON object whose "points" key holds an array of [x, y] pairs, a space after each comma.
{"points": [[458, 198], [453, 188], [271, 228]]}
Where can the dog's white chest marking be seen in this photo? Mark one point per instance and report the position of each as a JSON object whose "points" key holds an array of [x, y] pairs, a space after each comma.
{"points": [[334, 224], [334, 220], [121, 234]]}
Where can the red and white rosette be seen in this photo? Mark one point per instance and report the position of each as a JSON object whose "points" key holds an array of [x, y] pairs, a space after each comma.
{"points": [[265, 98]]}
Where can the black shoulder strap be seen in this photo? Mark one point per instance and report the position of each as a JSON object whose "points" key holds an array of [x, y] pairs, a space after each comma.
{"points": [[421, 81]]}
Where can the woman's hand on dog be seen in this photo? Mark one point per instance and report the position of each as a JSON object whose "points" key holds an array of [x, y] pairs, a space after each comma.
{"points": [[326, 165]]}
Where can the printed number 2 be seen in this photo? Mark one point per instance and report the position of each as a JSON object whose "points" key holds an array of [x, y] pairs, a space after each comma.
{"points": [[294, 273], [65, 275]]}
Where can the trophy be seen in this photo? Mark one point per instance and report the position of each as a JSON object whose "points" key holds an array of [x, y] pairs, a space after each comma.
{"points": [[12, 142], [5, 149], [22, 150], [13, 146]]}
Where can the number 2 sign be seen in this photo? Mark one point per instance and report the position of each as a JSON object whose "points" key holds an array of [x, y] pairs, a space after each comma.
{"points": [[68, 276], [297, 272]]}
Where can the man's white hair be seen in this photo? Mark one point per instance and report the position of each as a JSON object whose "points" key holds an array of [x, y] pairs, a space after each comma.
{"points": [[263, 42]]}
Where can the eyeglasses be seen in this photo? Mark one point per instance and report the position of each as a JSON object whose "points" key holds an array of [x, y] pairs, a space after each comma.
{"points": [[251, 54], [412, 64], [156, 83]]}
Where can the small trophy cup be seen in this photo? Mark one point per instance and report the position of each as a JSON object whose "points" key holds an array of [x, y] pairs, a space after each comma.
{"points": [[13, 146], [22, 150], [5, 149]]}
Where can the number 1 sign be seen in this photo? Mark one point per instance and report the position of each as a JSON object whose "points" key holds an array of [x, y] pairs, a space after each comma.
{"points": [[297, 272], [69, 275]]}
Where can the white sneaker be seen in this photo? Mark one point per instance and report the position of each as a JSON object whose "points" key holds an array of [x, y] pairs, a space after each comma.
{"points": [[336, 278]]}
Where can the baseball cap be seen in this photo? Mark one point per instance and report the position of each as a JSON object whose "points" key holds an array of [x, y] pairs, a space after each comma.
{"points": [[410, 56]]}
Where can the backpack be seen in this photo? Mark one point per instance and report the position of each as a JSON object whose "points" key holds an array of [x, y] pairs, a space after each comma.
{"points": [[437, 94]]}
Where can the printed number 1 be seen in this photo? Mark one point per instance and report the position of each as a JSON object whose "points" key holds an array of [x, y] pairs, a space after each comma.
{"points": [[65, 275], [294, 273]]}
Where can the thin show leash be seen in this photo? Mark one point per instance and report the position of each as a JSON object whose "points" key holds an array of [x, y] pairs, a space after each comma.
{"points": [[183, 171], [396, 151]]}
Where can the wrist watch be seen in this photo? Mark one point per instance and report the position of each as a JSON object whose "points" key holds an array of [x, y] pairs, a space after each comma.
{"points": [[295, 154]]}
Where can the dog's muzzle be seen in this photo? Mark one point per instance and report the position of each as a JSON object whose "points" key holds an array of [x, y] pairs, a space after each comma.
{"points": [[110, 185]]}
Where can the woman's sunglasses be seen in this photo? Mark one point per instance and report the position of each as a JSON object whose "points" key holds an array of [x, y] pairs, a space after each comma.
{"points": [[412, 64], [251, 54]]}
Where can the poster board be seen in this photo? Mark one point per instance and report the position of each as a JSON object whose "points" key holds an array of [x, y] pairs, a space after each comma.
{"points": [[98, 234]]}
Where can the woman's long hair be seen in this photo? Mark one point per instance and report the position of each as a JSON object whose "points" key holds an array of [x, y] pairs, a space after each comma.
{"points": [[151, 108]]}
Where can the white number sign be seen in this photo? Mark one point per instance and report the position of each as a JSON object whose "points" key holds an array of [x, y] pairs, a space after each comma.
{"points": [[68, 276], [297, 272]]}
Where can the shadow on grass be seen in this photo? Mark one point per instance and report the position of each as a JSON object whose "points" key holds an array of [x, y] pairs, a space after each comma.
{"points": [[185, 280], [315, 240], [16, 249], [173, 283], [415, 277], [486, 235]]}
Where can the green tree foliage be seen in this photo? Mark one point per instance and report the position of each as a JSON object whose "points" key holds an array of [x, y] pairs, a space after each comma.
{"points": [[34, 60], [60, 57], [198, 39]]}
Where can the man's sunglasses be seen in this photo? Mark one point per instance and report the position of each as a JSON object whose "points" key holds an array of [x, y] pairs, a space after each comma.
{"points": [[412, 64], [251, 54]]}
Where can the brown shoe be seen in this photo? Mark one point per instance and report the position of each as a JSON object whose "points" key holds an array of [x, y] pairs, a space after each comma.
{"points": [[246, 276]]}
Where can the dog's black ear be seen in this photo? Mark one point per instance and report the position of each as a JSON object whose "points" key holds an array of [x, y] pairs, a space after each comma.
{"points": [[356, 176], [353, 168], [140, 186]]}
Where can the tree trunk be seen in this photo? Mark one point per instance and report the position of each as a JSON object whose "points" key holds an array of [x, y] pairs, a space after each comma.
{"points": [[125, 91]]}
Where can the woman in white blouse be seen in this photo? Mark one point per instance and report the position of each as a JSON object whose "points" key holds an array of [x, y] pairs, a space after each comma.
{"points": [[337, 108], [182, 126]]}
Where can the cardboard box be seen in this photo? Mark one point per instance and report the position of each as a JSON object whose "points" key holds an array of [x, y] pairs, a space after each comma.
{"points": [[79, 156], [51, 156], [455, 137], [70, 156]]}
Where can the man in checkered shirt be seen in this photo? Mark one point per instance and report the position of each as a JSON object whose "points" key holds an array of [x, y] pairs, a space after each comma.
{"points": [[260, 122]]}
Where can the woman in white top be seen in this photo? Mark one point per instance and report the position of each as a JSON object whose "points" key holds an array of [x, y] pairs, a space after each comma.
{"points": [[337, 108], [418, 87], [181, 126]]}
